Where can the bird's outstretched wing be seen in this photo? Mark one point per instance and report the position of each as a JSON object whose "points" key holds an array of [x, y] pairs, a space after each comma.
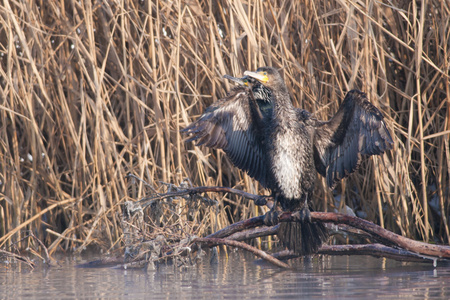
{"points": [[227, 124], [357, 129]]}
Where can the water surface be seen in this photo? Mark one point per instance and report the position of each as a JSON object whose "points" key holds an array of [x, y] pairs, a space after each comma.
{"points": [[238, 276]]}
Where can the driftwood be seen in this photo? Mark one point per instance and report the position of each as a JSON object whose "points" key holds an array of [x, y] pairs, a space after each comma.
{"points": [[392, 245]]}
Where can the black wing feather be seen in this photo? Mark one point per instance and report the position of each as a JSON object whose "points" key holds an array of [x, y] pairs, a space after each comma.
{"points": [[356, 130], [227, 124]]}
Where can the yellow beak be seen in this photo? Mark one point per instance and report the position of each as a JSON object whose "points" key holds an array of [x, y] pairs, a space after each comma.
{"points": [[257, 75]]}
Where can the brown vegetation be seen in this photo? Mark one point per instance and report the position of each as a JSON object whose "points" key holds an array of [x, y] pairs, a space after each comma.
{"points": [[94, 90]]}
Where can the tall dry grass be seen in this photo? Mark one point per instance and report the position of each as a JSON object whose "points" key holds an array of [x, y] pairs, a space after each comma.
{"points": [[94, 90]]}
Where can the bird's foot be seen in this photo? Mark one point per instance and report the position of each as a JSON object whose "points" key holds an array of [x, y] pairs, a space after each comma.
{"points": [[271, 218], [261, 201], [304, 215]]}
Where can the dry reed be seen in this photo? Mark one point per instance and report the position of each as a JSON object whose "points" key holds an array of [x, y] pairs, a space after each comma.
{"points": [[94, 90]]}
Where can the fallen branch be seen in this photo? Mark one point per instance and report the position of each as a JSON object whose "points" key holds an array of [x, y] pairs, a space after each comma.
{"points": [[217, 241], [237, 227], [254, 233], [383, 235], [410, 250], [413, 250]]}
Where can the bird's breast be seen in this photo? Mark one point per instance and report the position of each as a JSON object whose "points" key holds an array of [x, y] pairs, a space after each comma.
{"points": [[287, 162]]}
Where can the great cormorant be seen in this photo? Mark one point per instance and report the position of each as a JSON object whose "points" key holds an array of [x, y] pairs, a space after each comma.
{"points": [[283, 147]]}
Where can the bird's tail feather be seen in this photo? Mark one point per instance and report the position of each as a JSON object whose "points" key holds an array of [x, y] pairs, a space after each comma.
{"points": [[301, 237]]}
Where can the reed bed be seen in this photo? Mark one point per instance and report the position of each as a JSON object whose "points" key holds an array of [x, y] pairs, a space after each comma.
{"points": [[92, 91]]}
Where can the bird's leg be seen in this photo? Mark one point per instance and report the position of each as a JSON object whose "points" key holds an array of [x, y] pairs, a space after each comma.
{"points": [[305, 213], [271, 217], [261, 201]]}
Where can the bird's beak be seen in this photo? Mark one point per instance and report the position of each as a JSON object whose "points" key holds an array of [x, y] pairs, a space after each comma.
{"points": [[241, 81], [257, 75]]}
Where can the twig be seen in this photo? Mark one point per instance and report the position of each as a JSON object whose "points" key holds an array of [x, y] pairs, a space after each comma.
{"points": [[47, 258], [23, 259], [217, 241], [262, 200]]}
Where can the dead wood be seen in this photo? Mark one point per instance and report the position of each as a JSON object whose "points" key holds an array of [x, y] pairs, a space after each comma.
{"points": [[392, 245], [384, 236], [218, 241]]}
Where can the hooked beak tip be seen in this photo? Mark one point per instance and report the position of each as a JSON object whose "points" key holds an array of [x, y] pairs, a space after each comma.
{"points": [[235, 79]]}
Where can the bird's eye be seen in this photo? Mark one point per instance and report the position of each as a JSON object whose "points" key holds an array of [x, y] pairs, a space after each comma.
{"points": [[265, 73]]}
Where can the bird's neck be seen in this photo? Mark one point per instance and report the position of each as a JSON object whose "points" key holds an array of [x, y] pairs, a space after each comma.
{"points": [[282, 107]]}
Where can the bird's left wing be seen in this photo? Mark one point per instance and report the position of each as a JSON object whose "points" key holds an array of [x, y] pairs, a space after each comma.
{"points": [[356, 130], [228, 124]]}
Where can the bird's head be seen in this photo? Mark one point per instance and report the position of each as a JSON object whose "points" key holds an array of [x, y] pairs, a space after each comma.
{"points": [[267, 76], [260, 92]]}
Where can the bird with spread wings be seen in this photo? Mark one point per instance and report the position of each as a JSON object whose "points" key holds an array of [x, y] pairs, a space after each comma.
{"points": [[284, 147]]}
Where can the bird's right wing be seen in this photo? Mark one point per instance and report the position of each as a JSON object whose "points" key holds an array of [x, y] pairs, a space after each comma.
{"points": [[227, 124]]}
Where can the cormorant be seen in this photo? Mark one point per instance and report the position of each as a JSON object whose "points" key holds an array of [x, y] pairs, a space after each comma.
{"points": [[283, 147]]}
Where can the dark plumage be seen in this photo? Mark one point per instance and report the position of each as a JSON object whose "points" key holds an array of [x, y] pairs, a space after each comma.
{"points": [[283, 147]]}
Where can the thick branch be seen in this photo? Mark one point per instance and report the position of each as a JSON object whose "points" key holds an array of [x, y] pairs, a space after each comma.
{"points": [[254, 233], [238, 226], [383, 235]]}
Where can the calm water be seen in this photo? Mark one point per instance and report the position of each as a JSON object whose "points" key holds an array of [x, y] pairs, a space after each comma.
{"points": [[235, 277]]}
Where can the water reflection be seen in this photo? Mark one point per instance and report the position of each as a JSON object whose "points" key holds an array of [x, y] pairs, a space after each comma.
{"points": [[237, 275]]}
